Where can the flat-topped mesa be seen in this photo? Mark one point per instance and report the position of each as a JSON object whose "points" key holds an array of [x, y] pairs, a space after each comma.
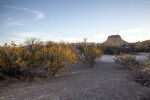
{"points": [[114, 40]]}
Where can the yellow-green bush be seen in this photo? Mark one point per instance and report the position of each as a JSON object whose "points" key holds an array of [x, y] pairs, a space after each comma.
{"points": [[126, 60], [12, 61], [90, 54], [21, 61], [60, 57]]}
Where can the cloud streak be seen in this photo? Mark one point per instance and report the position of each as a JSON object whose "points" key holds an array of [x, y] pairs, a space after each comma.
{"points": [[58, 39], [27, 35], [15, 24], [138, 29], [39, 15]]}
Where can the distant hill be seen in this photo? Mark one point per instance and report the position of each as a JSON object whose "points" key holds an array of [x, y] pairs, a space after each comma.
{"points": [[115, 44], [114, 40]]}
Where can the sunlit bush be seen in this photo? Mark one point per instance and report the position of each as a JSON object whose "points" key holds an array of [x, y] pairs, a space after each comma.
{"points": [[126, 60], [12, 60], [22, 61], [57, 57], [90, 55], [18, 61]]}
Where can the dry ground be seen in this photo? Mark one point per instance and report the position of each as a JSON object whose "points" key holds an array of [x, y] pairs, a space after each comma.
{"points": [[106, 81]]}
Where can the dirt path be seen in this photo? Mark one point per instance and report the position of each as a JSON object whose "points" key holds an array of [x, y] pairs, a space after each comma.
{"points": [[106, 81]]}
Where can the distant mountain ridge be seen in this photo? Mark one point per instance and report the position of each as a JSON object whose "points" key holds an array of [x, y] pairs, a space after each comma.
{"points": [[114, 40]]}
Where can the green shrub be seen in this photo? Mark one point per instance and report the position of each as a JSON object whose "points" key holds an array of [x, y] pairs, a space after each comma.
{"points": [[90, 55], [126, 60]]}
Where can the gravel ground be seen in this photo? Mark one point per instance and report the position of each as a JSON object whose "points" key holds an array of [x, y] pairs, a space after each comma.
{"points": [[106, 81]]}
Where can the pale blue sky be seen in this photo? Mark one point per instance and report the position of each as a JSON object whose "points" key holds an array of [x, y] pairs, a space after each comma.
{"points": [[73, 20]]}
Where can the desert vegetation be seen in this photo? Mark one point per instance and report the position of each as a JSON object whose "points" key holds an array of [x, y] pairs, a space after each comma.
{"points": [[90, 54], [141, 71], [36, 59], [24, 61], [126, 60], [21, 61]]}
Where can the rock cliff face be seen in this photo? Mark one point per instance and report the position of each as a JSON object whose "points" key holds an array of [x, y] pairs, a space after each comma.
{"points": [[114, 40]]}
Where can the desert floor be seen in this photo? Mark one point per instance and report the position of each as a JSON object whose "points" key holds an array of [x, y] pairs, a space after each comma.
{"points": [[106, 81]]}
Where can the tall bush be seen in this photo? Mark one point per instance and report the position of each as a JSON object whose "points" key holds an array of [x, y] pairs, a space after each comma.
{"points": [[59, 57], [12, 60], [21, 62], [91, 55]]}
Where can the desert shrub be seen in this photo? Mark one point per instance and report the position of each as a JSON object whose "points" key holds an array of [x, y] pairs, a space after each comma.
{"points": [[145, 73], [12, 60], [60, 56], [126, 60], [21, 62], [130, 62], [90, 54], [147, 64], [18, 62]]}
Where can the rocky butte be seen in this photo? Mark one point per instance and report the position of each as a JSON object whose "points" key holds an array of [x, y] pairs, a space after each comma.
{"points": [[114, 40]]}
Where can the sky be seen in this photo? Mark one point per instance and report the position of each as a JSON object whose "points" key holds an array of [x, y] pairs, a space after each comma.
{"points": [[74, 20]]}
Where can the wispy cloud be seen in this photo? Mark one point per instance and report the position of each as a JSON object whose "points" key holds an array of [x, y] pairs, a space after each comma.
{"points": [[15, 24], [19, 37], [27, 35], [39, 15], [134, 30], [47, 37], [135, 34], [22, 36]]}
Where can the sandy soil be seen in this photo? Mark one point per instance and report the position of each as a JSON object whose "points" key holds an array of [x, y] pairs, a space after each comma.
{"points": [[106, 81]]}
